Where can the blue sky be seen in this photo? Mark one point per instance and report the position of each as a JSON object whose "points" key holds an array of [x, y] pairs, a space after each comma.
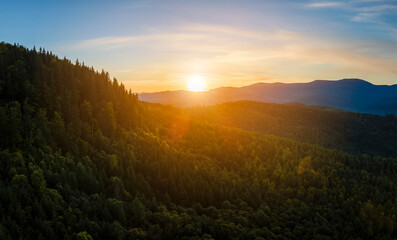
{"points": [[158, 45]]}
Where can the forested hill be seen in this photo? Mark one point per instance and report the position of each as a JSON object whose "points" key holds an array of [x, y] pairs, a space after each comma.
{"points": [[82, 158], [328, 127]]}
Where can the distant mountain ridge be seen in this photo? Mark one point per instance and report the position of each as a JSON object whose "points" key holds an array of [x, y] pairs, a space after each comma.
{"points": [[348, 94]]}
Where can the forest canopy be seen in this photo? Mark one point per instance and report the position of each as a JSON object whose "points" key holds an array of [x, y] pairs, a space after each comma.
{"points": [[82, 158]]}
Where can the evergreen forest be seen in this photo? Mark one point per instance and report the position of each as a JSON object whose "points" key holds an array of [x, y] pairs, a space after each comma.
{"points": [[82, 158]]}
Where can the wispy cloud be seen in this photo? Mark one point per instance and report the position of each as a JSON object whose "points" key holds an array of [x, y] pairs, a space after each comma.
{"points": [[367, 1], [365, 17], [324, 4], [378, 8], [109, 43], [374, 14], [229, 54], [364, 11]]}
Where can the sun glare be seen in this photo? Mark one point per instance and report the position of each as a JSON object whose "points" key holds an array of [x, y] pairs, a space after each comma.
{"points": [[196, 84]]}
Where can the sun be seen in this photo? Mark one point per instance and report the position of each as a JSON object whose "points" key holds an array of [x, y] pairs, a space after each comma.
{"points": [[196, 84]]}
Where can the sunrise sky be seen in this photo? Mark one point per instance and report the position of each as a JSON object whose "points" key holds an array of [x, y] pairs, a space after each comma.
{"points": [[159, 45]]}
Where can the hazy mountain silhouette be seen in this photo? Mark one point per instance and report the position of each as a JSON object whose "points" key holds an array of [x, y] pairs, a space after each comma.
{"points": [[348, 94]]}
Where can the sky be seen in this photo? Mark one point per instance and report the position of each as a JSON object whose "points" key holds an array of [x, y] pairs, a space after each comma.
{"points": [[158, 45]]}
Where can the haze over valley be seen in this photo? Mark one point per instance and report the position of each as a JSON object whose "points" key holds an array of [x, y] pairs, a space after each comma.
{"points": [[348, 94]]}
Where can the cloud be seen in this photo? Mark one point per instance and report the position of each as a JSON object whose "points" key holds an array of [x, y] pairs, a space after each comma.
{"points": [[365, 17], [378, 8], [104, 41], [229, 55], [109, 43], [374, 13], [364, 11], [367, 1], [324, 4]]}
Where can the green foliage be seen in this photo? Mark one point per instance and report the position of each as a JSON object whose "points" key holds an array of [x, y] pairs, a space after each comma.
{"points": [[331, 128], [83, 236], [82, 158]]}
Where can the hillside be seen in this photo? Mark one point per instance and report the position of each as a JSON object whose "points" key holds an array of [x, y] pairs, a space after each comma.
{"points": [[348, 94], [83, 158], [327, 127]]}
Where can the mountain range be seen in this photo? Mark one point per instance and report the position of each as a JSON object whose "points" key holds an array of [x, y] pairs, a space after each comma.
{"points": [[347, 94]]}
